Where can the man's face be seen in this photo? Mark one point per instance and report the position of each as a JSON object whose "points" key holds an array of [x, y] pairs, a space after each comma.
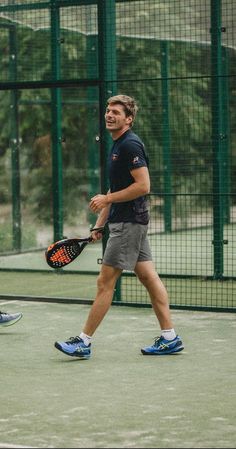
{"points": [[115, 118]]}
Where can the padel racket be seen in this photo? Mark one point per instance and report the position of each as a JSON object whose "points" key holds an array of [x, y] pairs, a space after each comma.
{"points": [[63, 252]]}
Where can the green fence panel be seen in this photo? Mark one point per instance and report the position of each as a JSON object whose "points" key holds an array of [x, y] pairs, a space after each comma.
{"points": [[59, 62]]}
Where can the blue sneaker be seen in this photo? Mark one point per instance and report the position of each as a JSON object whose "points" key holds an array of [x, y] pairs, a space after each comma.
{"points": [[162, 346], [7, 319], [75, 347]]}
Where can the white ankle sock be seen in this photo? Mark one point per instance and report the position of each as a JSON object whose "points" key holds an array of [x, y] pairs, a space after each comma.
{"points": [[168, 334], [86, 338]]}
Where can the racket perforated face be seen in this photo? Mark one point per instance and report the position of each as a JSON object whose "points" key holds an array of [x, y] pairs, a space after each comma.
{"points": [[64, 252]]}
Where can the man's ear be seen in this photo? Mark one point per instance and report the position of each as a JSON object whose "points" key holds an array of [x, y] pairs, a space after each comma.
{"points": [[129, 120]]}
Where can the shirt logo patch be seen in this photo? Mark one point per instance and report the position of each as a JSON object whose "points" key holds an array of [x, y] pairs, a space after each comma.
{"points": [[135, 160]]}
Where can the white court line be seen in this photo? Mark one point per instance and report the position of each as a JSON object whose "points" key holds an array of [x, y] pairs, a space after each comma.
{"points": [[2, 303], [13, 446]]}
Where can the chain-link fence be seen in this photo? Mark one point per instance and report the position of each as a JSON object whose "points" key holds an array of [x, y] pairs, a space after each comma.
{"points": [[59, 62]]}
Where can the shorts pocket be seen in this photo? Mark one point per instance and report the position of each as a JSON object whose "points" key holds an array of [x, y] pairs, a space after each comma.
{"points": [[115, 229]]}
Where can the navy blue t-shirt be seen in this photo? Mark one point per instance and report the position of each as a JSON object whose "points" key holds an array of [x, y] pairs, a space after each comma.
{"points": [[127, 153]]}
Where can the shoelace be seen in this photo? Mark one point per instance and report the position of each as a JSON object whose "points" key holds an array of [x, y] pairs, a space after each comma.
{"points": [[73, 340], [161, 345], [156, 340]]}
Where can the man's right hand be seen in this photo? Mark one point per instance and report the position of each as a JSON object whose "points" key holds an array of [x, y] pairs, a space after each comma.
{"points": [[96, 235]]}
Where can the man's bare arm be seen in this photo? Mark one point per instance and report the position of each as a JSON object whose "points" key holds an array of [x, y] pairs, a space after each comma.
{"points": [[140, 187]]}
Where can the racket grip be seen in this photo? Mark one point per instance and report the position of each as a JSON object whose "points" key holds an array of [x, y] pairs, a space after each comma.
{"points": [[98, 229]]}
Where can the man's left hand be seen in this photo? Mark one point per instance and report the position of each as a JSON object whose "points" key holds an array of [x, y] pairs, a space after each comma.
{"points": [[98, 202]]}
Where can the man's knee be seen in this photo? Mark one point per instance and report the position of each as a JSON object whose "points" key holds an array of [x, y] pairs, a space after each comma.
{"points": [[105, 283], [100, 282], [145, 278], [148, 278]]}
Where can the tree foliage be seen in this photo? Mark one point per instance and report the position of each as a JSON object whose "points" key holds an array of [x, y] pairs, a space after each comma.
{"points": [[139, 73]]}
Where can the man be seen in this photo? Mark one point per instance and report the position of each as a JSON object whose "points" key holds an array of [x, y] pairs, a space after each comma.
{"points": [[125, 210], [7, 319]]}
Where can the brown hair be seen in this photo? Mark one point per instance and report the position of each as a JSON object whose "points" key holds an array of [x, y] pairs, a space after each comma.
{"points": [[129, 104]]}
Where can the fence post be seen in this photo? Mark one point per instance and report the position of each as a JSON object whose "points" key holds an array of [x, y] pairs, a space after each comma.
{"points": [[108, 87], [166, 136], [226, 132], [218, 137], [92, 100], [56, 125], [16, 203]]}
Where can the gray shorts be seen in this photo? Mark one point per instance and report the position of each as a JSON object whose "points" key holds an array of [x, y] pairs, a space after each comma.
{"points": [[127, 244]]}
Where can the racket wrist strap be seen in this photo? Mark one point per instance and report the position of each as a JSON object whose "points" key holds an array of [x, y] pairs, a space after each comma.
{"points": [[97, 228]]}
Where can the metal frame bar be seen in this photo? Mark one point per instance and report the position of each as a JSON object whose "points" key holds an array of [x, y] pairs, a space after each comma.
{"points": [[166, 135], [56, 112], [217, 137], [59, 3], [46, 5], [14, 144]]}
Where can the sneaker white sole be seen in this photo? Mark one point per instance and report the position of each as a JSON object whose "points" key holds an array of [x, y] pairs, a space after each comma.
{"points": [[11, 322], [73, 354], [173, 351]]}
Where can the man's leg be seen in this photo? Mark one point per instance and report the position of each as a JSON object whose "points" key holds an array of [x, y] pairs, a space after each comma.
{"points": [[80, 346], [158, 294], [168, 342], [106, 282]]}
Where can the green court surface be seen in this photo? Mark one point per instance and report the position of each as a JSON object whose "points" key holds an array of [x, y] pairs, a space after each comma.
{"points": [[118, 398]]}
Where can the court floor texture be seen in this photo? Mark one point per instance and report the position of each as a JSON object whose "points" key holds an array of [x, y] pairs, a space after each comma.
{"points": [[119, 398]]}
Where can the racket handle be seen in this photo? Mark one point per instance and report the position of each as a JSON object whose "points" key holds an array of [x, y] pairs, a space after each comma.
{"points": [[99, 229]]}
